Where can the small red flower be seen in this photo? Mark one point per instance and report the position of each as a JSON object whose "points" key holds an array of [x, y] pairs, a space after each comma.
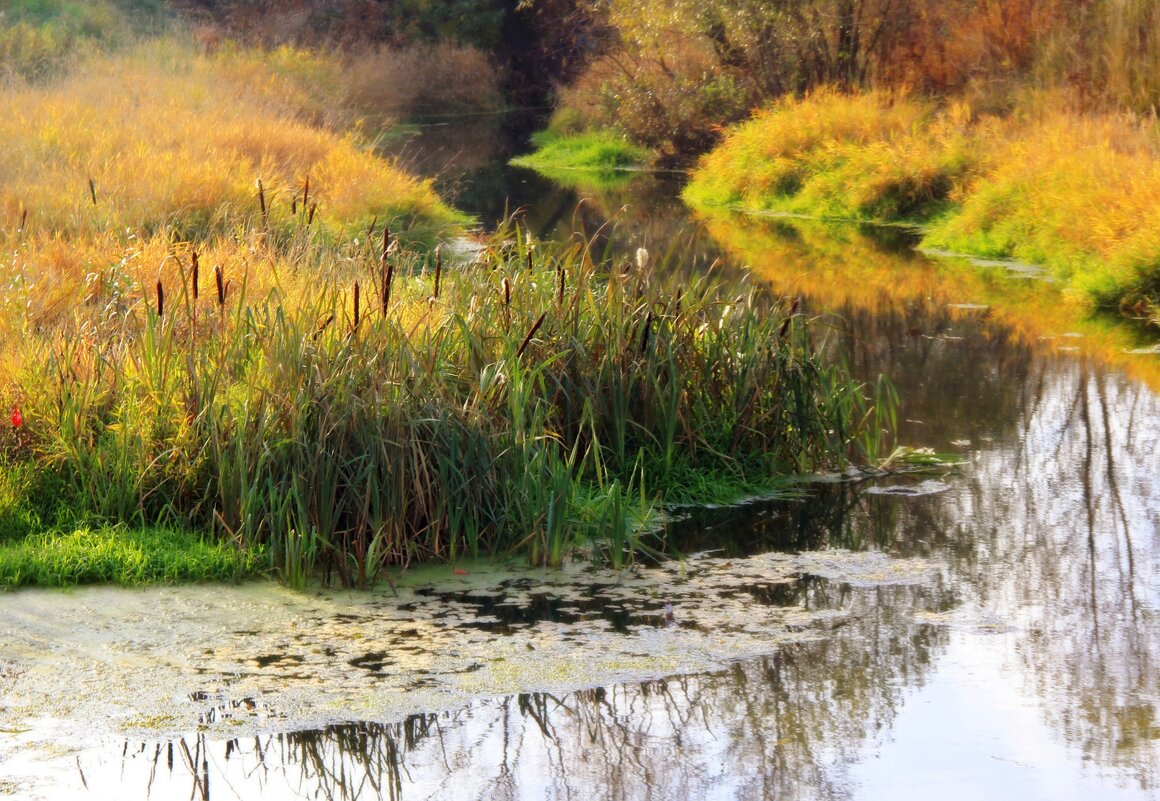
{"points": [[459, 571], [17, 418]]}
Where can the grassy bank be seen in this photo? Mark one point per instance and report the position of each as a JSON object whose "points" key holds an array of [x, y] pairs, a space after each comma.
{"points": [[182, 153], [1072, 192], [227, 345], [121, 555], [600, 157], [210, 375]]}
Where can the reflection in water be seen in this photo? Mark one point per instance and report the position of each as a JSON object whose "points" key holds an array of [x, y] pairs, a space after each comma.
{"points": [[1055, 526], [784, 726]]}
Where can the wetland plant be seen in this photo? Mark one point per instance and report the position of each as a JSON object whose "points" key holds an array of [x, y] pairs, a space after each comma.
{"points": [[510, 410]]}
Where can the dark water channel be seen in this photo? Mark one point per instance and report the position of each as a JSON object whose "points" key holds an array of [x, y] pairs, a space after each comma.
{"points": [[1025, 665]]}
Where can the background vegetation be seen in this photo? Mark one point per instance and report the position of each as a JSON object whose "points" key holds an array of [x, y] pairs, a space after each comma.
{"points": [[671, 74]]}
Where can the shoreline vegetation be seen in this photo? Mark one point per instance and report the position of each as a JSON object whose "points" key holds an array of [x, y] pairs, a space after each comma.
{"points": [[1074, 193], [519, 400], [229, 344], [1003, 186], [1022, 130], [600, 157]]}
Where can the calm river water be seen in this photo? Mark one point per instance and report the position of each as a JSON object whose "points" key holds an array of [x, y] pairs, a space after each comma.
{"points": [[985, 633]]}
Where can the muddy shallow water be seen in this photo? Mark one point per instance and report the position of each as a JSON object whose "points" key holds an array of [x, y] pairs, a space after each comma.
{"points": [[986, 632]]}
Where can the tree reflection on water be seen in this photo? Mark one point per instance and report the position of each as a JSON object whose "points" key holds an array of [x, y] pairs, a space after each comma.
{"points": [[782, 726], [1055, 526]]}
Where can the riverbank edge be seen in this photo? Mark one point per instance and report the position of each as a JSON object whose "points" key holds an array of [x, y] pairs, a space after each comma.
{"points": [[60, 557], [958, 180]]}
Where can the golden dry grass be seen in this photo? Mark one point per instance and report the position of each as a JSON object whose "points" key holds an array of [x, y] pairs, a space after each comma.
{"points": [[1072, 191], [175, 139]]}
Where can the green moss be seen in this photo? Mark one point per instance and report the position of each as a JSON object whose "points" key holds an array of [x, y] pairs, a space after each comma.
{"points": [[120, 555]]}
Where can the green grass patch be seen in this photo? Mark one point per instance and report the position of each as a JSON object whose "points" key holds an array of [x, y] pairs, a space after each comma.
{"points": [[603, 157], [121, 555]]}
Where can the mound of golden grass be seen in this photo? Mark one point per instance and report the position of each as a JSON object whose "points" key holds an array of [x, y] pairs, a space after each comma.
{"points": [[172, 139], [1072, 192], [115, 174]]}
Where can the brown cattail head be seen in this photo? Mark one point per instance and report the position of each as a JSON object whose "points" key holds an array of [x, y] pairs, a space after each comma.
{"points": [[357, 316], [306, 192], [310, 214], [531, 333], [219, 279], [388, 274], [262, 199], [322, 327], [386, 243], [789, 318], [507, 292], [644, 333], [160, 300], [438, 268], [196, 276], [23, 217], [294, 207], [92, 190]]}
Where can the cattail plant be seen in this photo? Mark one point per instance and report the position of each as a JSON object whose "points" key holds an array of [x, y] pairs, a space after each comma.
{"points": [[531, 333], [262, 203], [322, 327], [92, 190], [300, 441], [195, 277], [386, 269]]}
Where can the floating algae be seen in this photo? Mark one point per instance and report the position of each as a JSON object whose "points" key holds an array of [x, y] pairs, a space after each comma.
{"points": [[230, 661]]}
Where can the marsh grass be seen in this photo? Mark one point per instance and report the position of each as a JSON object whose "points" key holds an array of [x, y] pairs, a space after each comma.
{"points": [[340, 397], [520, 409]]}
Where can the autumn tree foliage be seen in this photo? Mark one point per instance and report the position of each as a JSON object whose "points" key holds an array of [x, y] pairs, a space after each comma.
{"points": [[672, 71]]}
